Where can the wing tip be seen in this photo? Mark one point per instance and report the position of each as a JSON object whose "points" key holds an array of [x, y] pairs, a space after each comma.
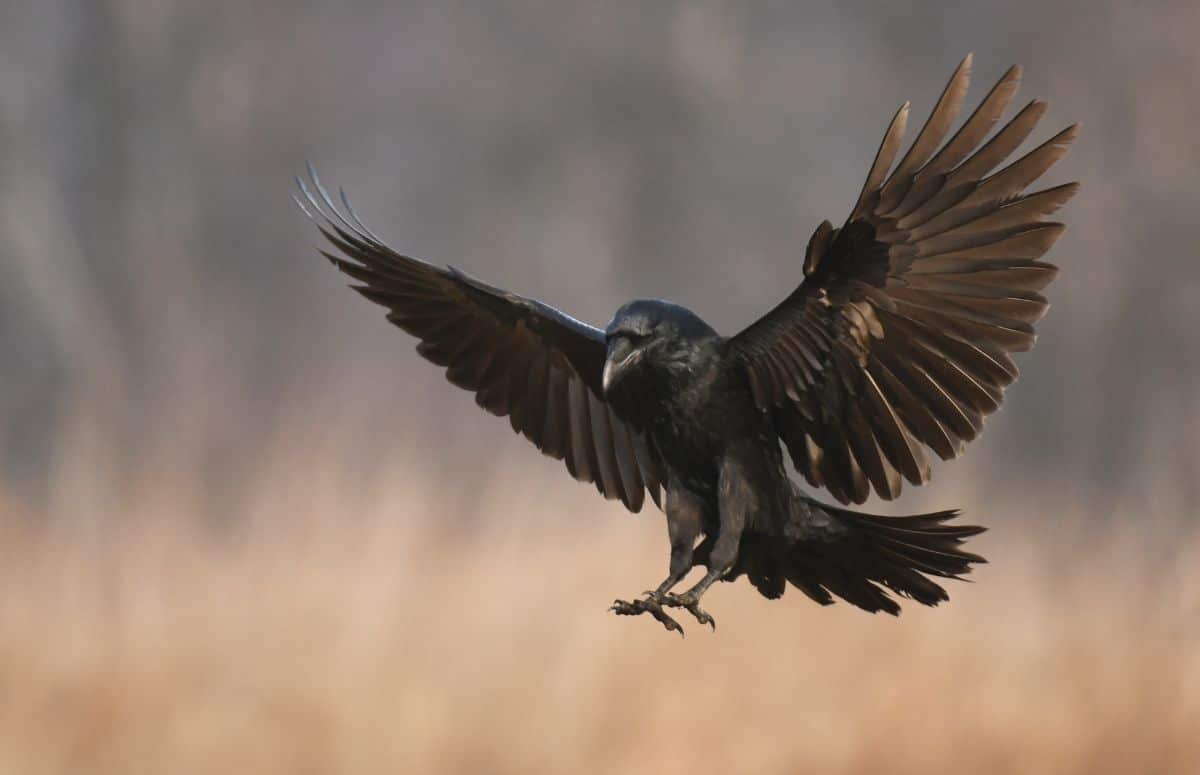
{"points": [[1036, 105], [963, 72], [1071, 133], [1067, 135]]}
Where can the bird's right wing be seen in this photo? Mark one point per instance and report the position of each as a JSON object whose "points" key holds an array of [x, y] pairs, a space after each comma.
{"points": [[900, 335], [520, 357]]}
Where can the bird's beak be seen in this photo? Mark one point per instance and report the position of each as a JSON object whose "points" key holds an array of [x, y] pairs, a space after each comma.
{"points": [[621, 355]]}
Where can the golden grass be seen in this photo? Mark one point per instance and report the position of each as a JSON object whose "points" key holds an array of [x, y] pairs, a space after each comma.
{"points": [[338, 628]]}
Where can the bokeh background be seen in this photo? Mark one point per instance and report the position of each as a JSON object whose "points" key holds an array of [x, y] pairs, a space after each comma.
{"points": [[243, 527]]}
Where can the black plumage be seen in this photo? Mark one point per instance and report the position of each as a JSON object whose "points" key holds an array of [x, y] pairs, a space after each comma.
{"points": [[898, 339]]}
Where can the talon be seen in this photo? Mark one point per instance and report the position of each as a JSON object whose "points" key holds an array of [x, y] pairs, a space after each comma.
{"points": [[670, 624], [624, 608], [648, 605], [691, 606]]}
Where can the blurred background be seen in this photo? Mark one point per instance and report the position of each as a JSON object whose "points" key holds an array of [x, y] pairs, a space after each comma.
{"points": [[244, 527]]}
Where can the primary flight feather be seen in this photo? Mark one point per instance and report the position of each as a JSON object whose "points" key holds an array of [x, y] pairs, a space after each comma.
{"points": [[898, 340]]}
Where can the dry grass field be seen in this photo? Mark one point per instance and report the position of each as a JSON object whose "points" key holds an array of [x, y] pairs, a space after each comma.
{"points": [[334, 624]]}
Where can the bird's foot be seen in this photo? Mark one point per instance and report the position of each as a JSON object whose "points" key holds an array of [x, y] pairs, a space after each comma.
{"points": [[650, 605], [692, 606]]}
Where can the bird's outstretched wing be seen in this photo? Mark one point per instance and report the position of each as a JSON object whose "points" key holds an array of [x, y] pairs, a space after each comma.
{"points": [[900, 335], [520, 357]]}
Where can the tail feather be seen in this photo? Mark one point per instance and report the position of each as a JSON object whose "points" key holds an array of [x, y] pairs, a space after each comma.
{"points": [[853, 587], [876, 555], [864, 559]]}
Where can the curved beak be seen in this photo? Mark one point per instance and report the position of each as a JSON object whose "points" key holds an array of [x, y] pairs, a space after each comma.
{"points": [[621, 355]]}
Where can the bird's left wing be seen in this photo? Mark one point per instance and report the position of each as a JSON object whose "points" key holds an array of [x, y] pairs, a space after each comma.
{"points": [[900, 335], [520, 357]]}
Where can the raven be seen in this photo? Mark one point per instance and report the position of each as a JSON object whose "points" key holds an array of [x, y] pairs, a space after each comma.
{"points": [[898, 339]]}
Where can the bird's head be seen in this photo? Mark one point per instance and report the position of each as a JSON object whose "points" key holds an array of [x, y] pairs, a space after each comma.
{"points": [[651, 335]]}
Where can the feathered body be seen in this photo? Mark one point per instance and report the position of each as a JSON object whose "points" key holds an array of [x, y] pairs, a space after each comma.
{"points": [[724, 462]]}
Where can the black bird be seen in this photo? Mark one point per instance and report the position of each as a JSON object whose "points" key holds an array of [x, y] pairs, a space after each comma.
{"points": [[899, 338]]}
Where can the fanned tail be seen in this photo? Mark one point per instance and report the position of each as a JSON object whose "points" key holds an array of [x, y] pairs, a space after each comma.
{"points": [[864, 559], [879, 554]]}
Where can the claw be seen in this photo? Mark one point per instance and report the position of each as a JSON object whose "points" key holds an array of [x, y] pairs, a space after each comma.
{"points": [[692, 607], [650, 606]]}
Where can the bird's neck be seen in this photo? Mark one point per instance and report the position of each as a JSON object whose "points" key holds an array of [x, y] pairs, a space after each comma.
{"points": [[687, 374], [680, 375]]}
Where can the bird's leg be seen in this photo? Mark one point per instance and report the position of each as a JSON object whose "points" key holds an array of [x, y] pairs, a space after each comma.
{"points": [[681, 562], [660, 592], [685, 522], [735, 496], [685, 513]]}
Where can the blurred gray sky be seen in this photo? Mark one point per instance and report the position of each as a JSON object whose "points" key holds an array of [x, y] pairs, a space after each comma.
{"points": [[160, 284]]}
